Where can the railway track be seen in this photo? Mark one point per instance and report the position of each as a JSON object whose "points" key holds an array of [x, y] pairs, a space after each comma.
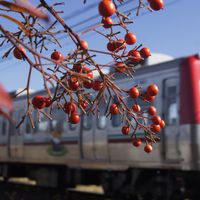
{"points": [[13, 191]]}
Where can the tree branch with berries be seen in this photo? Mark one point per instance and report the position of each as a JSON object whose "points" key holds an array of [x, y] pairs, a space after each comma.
{"points": [[69, 81]]}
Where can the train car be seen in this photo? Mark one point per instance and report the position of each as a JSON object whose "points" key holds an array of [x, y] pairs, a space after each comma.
{"points": [[57, 153]]}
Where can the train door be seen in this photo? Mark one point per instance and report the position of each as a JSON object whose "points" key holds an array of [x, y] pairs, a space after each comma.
{"points": [[101, 135], [4, 125], [15, 138], [171, 131], [87, 137]]}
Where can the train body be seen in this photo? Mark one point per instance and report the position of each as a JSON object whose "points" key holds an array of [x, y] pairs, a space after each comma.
{"points": [[95, 150]]}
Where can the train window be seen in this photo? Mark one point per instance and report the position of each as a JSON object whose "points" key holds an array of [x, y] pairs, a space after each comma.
{"points": [[87, 122], [4, 124], [101, 122], [12, 127], [28, 127], [116, 120], [172, 110], [43, 125]]}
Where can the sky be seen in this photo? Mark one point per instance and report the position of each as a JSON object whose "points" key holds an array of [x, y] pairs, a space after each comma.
{"points": [[174, 31]]}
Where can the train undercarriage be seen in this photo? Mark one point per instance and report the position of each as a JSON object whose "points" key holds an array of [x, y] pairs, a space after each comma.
{"points": [[133, 184]]}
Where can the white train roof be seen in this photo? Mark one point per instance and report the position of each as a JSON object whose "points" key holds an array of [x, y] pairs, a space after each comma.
{"points": [[157, 58]]}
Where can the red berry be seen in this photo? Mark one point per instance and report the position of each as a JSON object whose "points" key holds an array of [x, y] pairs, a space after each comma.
{"points": [[97, 85], [48, 101], [84, 45], [152, 90], [147, 97], [162, 124], [107, 22], [56, 55], [156, 4], [106, 8], [148, 148], [125, 130], [73, 83], [136, 142], [74, 118], [134, 56], [114, 110], [88, 72], [134, 92], [130, 38], [88, 84], [155, 128], [145, 52], [136, 108], [111, 46], [38, 102], [156, 120], [84, 103], [120, 67], [152, 110], [69, 107], [19, 52], [120, 44]]}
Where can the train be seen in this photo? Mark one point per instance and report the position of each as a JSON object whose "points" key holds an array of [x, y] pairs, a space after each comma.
{"points": [[59, 154]]}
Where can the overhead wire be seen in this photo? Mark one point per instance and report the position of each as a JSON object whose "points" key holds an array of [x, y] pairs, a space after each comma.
{"points": [[92, 25]]}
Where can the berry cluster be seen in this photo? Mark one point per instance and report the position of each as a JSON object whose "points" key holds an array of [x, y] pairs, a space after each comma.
{"points": [[40, 102], [155, 123]]}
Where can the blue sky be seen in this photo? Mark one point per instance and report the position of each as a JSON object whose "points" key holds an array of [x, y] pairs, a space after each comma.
{"points": [[174, 31]]}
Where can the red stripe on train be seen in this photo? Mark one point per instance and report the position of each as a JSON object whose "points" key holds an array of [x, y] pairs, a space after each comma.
{"points": [[190, 91]]}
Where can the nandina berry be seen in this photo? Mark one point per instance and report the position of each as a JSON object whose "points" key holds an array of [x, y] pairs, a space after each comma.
{"points": [[19, 52], [145, 52], [88, 72], [125, 130], [56, 55], [148, 148], [106, 8], [152, 110], [136, 108], [156, 4], [38, 102], [134, 92], [120, 44], [147, 97], [83, 103], [130, 38], [152, 90], [162, 123], [107, 22], [120, 67], [84, 45], [156, 119], [73, 83], [136, 142], [111, 46], [134, 56], [69, 107], [88, 84], [48, 101], [155, 128], [114, 110], [74, 118], [97, 85]]}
